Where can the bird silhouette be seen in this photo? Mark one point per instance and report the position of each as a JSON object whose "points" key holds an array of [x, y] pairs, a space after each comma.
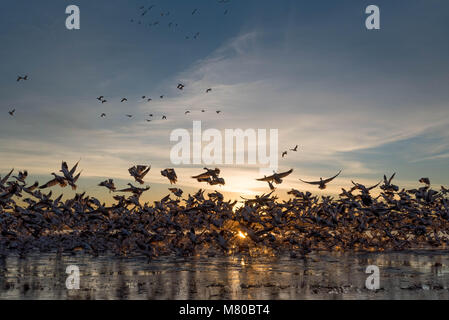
{"points": [[322, 183]]}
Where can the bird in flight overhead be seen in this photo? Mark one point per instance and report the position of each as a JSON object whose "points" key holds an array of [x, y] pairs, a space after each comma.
{"points": [[69, 175], [388, 186], [284, 154], [208, 90], [322, 183], [22, 78], [134, 190], [425, 181], [194, 11], [108, 184], [218, 111], [177, 192], [162, 97], [187, 112], [170, 174], [57, 180], [124, 99], [103, 115], [210, 176], [180, 86], [164, 118], [129, 115], [11, 113], [362, 187], [295, 149], [139, 172], [276, 178]]}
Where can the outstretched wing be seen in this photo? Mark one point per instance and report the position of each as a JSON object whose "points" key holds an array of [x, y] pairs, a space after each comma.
{"points": [[49, 184], [284, 174], [144, 173], [311, 182], [266, 179], [3, 181], [204, 175], [391, 178], [74, 168], [375, 186], [330, 179]]}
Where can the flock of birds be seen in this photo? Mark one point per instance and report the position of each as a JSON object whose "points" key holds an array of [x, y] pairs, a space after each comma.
{"points": [[103, 100], [166, 17], [31, 220], [180, 86]]}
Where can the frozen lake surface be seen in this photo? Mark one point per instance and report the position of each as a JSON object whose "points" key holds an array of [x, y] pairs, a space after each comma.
{"points": [[403, 275]]}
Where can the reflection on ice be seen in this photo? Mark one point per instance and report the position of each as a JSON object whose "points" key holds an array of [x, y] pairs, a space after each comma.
{"points": [[404, 275]]}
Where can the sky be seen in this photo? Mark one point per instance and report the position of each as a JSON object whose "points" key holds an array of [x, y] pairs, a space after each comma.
{"points": [[367, 102]]}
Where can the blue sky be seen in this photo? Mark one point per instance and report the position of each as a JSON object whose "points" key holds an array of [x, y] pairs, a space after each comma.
{"points": [[367, 102]]}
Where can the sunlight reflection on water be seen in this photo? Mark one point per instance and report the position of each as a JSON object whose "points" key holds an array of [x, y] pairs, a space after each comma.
{"points": [[404, 275]]}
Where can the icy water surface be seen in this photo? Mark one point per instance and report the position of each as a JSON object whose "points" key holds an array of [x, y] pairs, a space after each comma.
{"points": [[404, 275]]}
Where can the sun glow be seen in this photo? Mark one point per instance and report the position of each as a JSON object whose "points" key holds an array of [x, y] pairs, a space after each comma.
{"points": [[241, 235]]}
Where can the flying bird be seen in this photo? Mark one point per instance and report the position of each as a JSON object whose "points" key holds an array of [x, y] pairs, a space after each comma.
{"points": [[57, 180], [180, 86], [69, 175], [170, 174], [139, 172], [124, 99], [22, 78], [177, 192], [284, 154], [322, 183], [208, 90], [362, 187], [108, 184], [209, 173], [295, 149], [135, 190], [275, 178], [11, 113]]}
